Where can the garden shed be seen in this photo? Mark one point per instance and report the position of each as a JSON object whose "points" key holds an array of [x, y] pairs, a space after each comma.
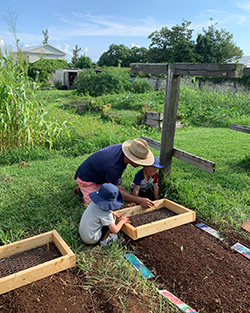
{"points": [[66, 76]]}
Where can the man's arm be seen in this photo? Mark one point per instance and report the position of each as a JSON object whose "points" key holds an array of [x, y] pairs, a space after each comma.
{"points": [[144, 202]]}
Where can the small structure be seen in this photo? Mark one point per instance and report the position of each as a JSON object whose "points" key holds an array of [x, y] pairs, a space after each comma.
{"points": [[28, 260], [66, 76], [182, 215], [35, 53]]}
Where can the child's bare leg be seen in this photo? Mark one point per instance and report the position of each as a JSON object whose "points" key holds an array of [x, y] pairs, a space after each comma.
{"points": [[106, 235]]}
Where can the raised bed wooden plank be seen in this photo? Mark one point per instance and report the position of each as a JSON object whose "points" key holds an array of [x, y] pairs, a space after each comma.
{"points": [[184, 216], [26, 276]]}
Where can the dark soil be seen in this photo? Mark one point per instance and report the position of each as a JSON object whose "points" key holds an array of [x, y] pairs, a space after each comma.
{"points": [[198, 268], [150, 216], [201, 270]]}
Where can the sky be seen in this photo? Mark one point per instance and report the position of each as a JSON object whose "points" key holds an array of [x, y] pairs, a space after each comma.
{"points": [[96, 24]]}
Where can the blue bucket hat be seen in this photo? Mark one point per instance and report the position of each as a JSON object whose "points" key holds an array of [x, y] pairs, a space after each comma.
{"points": [[157, 163], [108, 197]]}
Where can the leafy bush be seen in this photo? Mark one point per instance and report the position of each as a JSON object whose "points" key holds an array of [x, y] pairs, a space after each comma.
{"points": [[41, 70], [213, 108], [88, 82], [141, 85]]}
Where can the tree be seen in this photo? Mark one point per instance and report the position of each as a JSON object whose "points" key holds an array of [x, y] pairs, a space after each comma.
{"points": [[46, 36], [75, 57], [115, 55], [216, 46], [84, 62], [138, 55], [176, 45], [172, 45]]}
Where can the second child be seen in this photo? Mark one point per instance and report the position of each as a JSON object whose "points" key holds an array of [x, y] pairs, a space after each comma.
{"points": [[145, 183]]}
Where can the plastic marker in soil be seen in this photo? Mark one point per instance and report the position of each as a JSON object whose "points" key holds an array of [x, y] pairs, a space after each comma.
{"points": [[241, 249], [209, 230], [180, 304], [138, 265]]}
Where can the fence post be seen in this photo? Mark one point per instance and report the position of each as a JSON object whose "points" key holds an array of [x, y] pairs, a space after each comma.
{"points": [[169, 119]]}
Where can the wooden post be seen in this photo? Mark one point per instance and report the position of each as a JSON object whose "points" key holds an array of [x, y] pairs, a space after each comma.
{"points": [[174, 72], [169, 119]]}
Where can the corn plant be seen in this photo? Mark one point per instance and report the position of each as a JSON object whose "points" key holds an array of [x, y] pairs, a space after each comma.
{"points": [[23, 120]]}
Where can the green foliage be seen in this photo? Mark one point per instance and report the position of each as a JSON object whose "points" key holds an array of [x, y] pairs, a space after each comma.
{"points": [[176, 45], [83, 62], [216, 46], [213, 108], [46, 36], [41, 70], [94, 84], [75, 57], [23, 120], [172, 45], [120, 55], [141, 85]]}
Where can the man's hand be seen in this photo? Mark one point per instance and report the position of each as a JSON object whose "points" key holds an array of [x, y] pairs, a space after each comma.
{"points": [[146, 203]]}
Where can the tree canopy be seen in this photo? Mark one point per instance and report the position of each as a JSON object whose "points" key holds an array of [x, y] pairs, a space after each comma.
{"points": [[120, 54], [75, 57], [176, 44], [84, 62]]}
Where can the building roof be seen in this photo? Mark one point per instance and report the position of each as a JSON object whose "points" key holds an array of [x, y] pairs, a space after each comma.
{"points": [[35, 49], [245, 60]]}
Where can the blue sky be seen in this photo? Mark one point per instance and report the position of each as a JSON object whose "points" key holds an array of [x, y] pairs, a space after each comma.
{"points": [[96, 24]]}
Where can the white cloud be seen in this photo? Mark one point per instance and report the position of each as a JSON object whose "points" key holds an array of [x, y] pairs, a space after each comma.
{"points": [[79, 24], [245, 5], [134, 45], [1, 42]]}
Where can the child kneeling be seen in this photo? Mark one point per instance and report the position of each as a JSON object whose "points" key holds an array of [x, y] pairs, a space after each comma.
{"points": [[145, 179], [98, 220]]}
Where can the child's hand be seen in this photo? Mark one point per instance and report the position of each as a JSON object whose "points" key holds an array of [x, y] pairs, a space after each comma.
{"points": [[125, 219]]}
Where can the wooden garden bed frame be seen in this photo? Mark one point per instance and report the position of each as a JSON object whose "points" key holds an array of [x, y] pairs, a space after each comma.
{"points": [[40, 271], [184, 216]]}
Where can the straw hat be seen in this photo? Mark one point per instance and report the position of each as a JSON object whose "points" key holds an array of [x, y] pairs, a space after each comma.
{"points": [[137, 151]]}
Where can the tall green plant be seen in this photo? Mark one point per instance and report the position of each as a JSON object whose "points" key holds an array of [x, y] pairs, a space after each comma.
{"points": [[22, 118]]}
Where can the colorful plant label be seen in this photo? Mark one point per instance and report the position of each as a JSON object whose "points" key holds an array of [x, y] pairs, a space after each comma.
{"points": [[138, 265], [241, 249], [209, 230], [180, 304]]}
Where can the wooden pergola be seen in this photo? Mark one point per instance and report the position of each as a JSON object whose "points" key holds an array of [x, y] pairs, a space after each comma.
{"points": [[174, 72]]}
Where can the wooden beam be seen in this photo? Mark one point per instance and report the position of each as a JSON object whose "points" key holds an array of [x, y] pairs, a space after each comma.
{"points": [[169, 119], [241, 128], [184, 156], [232, 70]]}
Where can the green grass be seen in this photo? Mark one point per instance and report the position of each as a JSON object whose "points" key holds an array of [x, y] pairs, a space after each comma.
{"points": [[39, 198]]}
